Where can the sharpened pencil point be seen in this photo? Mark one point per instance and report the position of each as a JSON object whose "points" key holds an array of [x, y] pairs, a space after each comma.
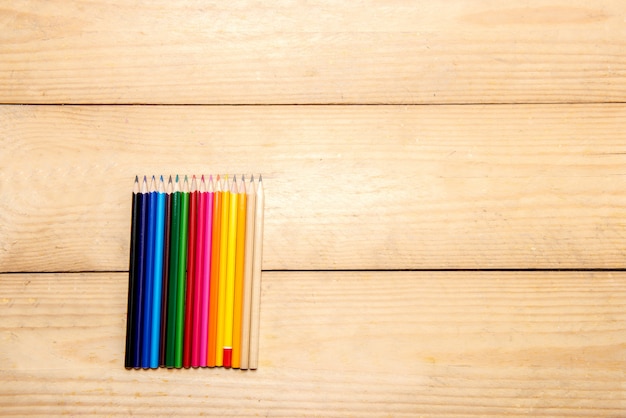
{"points": [[252, 178], [136, 179], [161, 177], [260, 177], [170, 180], [176, 178]]}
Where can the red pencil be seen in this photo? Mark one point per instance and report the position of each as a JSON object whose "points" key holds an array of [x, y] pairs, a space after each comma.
{"points": [[198, 266], [191, 279]]}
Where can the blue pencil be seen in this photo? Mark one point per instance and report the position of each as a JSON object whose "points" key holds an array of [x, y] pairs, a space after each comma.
{"points": [[138, 302], [148, 288], [158, 277]]}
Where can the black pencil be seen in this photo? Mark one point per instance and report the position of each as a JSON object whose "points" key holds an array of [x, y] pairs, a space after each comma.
{"points": [[166, 272], [128, 360], [140, 255]]}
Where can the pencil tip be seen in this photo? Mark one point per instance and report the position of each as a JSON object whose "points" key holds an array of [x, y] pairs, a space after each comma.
{"points": [[136, 179], [185, 177], [202, 178], [144, 179], [260, 177], [161, 177], [176, 178], [170, 180], [252, 178], [243, 177]]}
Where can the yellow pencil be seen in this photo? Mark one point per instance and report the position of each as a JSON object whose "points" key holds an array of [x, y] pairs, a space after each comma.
{"points": [[247, 277], [221, 296], [230, 275], [239, 273]]}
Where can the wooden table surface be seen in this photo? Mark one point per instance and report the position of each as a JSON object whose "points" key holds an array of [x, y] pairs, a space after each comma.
{"points": [[445, 183]]}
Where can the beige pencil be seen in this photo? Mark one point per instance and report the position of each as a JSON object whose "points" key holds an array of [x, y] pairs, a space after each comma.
{"points": [[247, 279], [256, 278]]}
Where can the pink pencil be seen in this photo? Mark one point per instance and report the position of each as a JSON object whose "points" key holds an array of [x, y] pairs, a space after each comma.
{"points": [[207, 212], [199, 275]]}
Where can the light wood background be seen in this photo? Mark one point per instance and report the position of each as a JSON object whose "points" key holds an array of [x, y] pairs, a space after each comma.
{"points": [[445, 183]]}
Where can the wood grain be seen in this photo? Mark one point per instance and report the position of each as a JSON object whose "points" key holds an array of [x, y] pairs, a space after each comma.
{"points": [[320, 51], [348, 187], [335, 344]]}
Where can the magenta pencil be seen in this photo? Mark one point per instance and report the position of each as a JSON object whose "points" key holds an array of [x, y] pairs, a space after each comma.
{"points": [[206, 272], [198, 267]]}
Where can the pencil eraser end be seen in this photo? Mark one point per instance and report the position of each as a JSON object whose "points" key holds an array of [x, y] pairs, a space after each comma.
{"points": [[228, 355]]}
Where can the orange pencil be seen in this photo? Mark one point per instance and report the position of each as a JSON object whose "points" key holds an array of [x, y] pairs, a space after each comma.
{"points": [[215, 271], [239, 273]]}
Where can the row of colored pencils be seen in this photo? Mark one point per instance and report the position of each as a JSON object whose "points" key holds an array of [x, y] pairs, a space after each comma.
{"points": [[195, 273]]}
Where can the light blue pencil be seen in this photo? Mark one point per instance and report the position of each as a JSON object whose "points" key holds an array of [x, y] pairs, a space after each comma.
{"points": [[158, 277]]}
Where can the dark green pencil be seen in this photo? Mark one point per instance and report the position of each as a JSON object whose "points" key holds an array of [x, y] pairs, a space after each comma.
{"points": [[170, 345], [182, 274]]}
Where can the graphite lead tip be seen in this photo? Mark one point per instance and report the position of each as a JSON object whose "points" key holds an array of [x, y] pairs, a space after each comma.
{"points": [[136, 185], [260, 178], [144, 186], [170, 180], [136, 179], [233, 187], [252, 178], [161, 177], [176, 178]]}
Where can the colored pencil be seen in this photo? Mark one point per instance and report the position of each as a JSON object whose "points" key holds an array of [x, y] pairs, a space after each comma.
{"points": [[198, 265], [239, 272], [141, 273], [166, 271], [134, 226], [230, 275], [195, 270], [206, 271], [221, 301], [157, 285], [146, 338], [182, 274], [247, 279], [256, 277], [191, 273], [215, 273], [170, 355]]}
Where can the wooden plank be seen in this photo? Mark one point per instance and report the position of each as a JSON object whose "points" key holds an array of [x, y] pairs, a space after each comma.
{"points": [[315, 52], [335, 344], [347, 187]]}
